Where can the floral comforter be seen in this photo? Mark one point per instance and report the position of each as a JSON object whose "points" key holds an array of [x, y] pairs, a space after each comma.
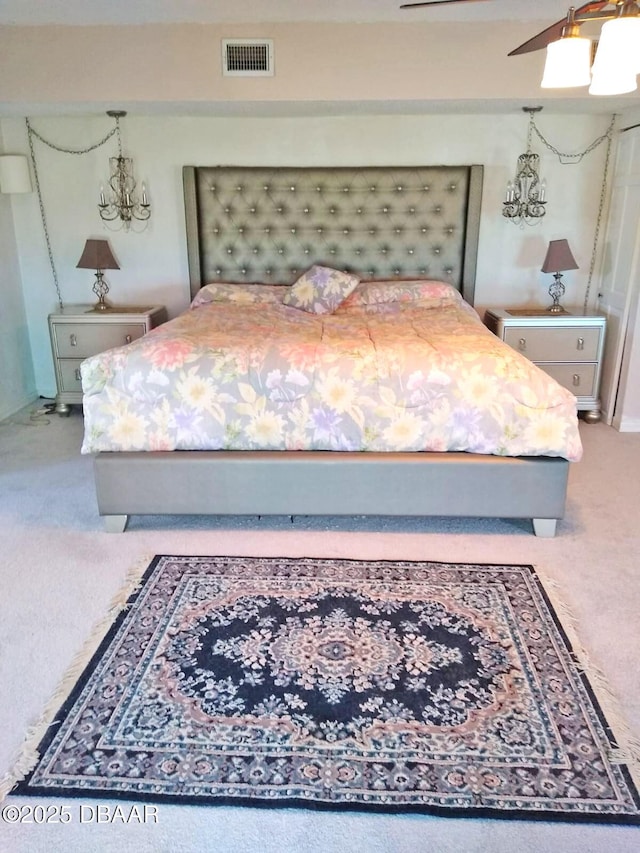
{"points": [[398, 366]]}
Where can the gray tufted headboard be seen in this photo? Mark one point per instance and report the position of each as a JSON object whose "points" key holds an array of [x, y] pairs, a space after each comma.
{"points": [[268, 225]]}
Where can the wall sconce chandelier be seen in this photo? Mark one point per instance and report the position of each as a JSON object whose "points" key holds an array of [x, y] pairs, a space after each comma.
{"points": [[617, 60], [122, 203], [525, 196]]}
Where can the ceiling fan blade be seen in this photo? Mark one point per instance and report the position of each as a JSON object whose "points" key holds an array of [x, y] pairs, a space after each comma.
{"points": [[554, 32], [436, 3]]}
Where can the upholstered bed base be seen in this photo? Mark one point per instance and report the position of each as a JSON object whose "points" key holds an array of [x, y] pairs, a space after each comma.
{"points": [[327, 483], [262, 224]]}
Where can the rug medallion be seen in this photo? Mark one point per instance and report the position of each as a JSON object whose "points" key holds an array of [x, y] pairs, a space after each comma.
{"points": [[388, 685]]}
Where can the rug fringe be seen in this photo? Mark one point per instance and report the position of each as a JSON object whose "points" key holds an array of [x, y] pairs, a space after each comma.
{"points": [[28, 754], [626, 748]]}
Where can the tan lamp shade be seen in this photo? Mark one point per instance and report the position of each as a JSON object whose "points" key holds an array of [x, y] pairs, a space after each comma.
{"points": [[97, 255], [559, 257]]}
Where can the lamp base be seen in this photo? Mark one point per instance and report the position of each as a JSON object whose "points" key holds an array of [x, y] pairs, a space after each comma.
{"points": [[556, 308], [100, 288]]}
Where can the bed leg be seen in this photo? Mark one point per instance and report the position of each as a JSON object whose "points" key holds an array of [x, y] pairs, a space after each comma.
{"points": [[115, 523], [545, 527]]}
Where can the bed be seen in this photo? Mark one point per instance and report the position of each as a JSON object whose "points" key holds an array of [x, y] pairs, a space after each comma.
{"points": [[411, 232]]}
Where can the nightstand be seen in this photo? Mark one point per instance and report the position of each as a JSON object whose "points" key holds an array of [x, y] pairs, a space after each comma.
{"points": [[567, 346], [78, 331]]}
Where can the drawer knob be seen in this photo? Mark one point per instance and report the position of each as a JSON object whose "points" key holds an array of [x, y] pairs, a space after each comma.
{"points": [[128, 339], [78, 374], [522, 344], [73, 340], [580, 343], [576, 379]]}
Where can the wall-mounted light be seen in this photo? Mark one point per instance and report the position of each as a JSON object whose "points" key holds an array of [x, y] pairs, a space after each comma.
{"points": [[14, 174]]}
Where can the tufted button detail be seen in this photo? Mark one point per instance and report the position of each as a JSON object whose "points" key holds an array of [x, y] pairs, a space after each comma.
{"points": [[267, 230], [410, 251], [266, 188], [213, 188], [412, 210], [239, 189], [372, 189], [346, 231], [396, 272], [306, 251], [216, 230], [385, 210], [227, 210], [436, 251], [306, 210], [398, 230], [240, 230], [252, 210], [268, 272], [255, 250], [448, 270], [318, 189], [453, 187], [278, 210], [293, 230], [293, 189], [243, 271], [281, 251], [332, 210], [358, 251], [437, 209], [426, 188], [399, 188], [218, 272], [345, 189], [359, 210], [319, 230], [424, 230], [383, 251]]}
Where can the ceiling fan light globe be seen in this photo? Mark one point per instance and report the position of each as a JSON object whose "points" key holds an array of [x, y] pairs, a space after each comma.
{"points": [[568, 63], [620, 42]]}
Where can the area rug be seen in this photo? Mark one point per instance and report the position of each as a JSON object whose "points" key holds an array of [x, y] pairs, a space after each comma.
{"points": [[447, 689]]}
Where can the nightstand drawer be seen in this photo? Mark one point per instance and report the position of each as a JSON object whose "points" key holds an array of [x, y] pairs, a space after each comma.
{"points": [[80, 340], [580, 379], [555, 343], [69, 374]]}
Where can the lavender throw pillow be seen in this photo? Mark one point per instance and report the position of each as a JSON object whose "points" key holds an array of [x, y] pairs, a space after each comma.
{"points": [[320, 290]]}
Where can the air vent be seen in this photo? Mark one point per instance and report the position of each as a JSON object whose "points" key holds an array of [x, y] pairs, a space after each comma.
{"points": [[247, 57]]}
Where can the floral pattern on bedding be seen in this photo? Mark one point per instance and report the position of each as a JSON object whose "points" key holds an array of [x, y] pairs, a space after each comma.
{"points": [[398, 367]]}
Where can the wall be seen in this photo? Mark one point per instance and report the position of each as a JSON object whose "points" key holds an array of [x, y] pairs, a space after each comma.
{"points": [[154, 262], [17, 383]]}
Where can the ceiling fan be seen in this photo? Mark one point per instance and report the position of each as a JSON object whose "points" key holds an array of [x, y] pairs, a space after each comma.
{"points": [[575, 17]]}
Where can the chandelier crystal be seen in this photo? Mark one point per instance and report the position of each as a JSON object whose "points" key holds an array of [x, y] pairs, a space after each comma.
{"points": [[525, 201], [121, 203]]}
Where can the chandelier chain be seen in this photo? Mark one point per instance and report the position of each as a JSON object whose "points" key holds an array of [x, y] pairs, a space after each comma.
{"points": [[43, 216], [31, 132], [64, 150], [576, 157], [601, 204]]}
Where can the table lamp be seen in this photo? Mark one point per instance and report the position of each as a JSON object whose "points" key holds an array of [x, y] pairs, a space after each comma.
{"points": [[557, 260]]}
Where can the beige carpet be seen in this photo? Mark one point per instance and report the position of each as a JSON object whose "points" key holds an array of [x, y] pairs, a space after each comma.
{"points": [[59, 572]]}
